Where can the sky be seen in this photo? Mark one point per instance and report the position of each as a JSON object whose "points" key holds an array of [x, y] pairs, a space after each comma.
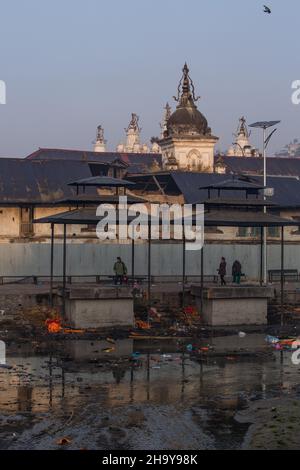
{"points": [[70, 65]]}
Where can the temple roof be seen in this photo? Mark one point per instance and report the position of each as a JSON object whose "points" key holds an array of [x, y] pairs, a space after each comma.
{"points": [[187, 119], [140, 161]]}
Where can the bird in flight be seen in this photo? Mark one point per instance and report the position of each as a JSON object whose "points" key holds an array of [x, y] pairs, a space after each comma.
{"points": [[267, 10]]}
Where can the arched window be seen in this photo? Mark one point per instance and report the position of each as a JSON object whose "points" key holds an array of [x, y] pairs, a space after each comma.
{"points": [[194, 159]]}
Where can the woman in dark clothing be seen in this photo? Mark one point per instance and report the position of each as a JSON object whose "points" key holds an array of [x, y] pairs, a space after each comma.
{"points": [[222, 271]]}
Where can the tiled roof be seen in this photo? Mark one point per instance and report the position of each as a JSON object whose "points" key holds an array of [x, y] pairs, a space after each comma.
{"points": [[141, 161], [276, 166]]}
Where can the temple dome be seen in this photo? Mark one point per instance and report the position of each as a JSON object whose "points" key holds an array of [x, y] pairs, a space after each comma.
{"points": [[187, 120]]}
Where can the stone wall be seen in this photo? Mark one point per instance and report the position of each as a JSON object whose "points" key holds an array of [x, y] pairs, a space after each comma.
{"points": [[27, 259]]}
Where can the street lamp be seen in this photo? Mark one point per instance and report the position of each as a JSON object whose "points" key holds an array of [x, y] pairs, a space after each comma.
{"points": [[239, 145], [264, 125]]}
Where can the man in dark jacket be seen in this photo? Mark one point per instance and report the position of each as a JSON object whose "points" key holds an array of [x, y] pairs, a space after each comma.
{"points": [[120, 270], [236, 272], [222, 271]]}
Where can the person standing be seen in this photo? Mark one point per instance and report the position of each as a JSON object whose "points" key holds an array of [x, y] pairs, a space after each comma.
{"points": [[222, 271], [120, 270], [236, 272]]}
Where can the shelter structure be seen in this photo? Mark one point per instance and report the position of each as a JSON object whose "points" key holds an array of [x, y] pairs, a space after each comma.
{"points": [[219, 212], [244, 208]]}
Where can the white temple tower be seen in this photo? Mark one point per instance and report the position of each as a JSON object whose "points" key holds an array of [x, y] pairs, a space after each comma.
{"points": [[100, 144], [241, 147], [164, 123], [133, 144]]}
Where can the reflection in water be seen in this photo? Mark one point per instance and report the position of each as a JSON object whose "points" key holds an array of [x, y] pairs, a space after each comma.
{"points": [[24, 398], [75, 372]]}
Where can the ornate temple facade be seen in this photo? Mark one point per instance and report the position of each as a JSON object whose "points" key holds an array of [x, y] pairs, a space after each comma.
{"points": [[187, 142]]}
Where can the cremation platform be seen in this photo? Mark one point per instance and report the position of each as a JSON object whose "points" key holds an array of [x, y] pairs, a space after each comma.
{"points": [[227, 306], [99, 307]]}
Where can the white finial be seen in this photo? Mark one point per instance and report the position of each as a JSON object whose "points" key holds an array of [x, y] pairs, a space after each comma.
{"points": [[133, 134], [241, 146], [166, 117], [133, 144], [100, 144]]}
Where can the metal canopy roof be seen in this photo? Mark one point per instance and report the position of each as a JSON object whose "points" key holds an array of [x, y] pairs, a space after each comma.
{"points": [[237, 218], [99, 199], [102, 181], [245, 219], [80, 216], [234, 184], [237, 202]]}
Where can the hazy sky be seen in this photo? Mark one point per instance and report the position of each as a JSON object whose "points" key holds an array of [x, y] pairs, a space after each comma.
{"points": [[70, 65]]}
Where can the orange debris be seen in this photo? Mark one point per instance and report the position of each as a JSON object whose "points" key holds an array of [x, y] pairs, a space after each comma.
{"points": [[53, 325], [142, 325]]}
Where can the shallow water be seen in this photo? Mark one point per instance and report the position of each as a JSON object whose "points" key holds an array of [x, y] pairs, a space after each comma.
{"points": [[163, 397]]}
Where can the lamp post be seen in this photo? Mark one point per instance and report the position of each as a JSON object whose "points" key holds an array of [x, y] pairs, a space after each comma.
{"points": [[264, 125], [239, 145]]}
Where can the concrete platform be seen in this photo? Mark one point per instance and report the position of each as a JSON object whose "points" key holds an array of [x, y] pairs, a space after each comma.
{"points": [[228, 306], [99, 307]]}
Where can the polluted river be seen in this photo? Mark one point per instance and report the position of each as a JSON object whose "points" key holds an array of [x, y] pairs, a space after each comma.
{"points": [[228, 392]]}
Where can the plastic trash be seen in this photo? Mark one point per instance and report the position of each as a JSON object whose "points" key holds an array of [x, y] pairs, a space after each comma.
{"points": [[110, 340], [142, 325], [242, 334], [5, 366], [108, 350], [135, 355], [272, 339]]}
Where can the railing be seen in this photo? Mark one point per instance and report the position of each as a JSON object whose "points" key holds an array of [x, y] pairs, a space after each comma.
{"points": [[103, 279], [288, 275]]}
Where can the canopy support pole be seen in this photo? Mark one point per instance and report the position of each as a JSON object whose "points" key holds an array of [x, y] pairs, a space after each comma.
{"points": [[183, 270], [202, 277], [51, 264], [282, 275], [133, 261], [149, 266], [64, 268], [261, 255]]}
